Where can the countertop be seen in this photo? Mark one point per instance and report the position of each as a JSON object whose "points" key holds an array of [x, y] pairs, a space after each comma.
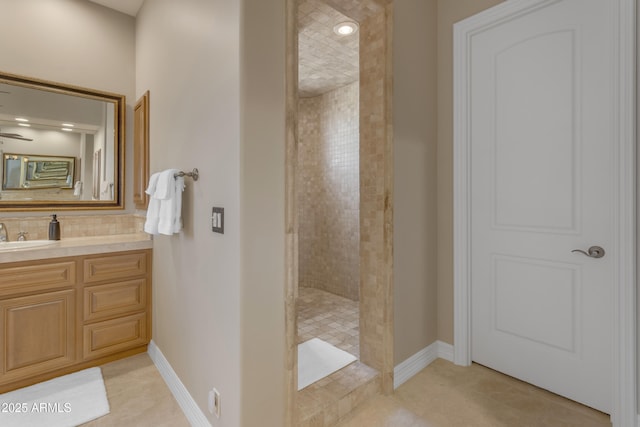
{"points": [[74, 246]]}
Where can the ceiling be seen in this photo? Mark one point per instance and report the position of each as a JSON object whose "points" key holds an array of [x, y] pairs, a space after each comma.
{"points": [[358, 10], [326, 61], [130, 7]]}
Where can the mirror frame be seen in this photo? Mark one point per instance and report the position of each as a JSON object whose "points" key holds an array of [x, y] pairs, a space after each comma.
{"points": [[119, 102]]}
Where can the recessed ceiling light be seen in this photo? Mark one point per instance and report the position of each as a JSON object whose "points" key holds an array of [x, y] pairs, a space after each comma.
{"points": [[67, 129], [21, 119], [345, 28], [68, 125], [27, 125]]}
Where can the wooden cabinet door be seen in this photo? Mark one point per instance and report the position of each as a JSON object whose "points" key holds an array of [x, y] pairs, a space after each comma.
{"points": [[114, 299], [104, 338], [115, 267], [37, 277], [38, 334]]}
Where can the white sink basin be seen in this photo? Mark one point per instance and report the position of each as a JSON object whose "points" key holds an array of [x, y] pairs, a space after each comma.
{"points": [[27, 244]]}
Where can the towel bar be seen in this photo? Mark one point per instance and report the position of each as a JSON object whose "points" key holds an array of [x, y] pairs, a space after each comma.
{"points": [[193, 174]]}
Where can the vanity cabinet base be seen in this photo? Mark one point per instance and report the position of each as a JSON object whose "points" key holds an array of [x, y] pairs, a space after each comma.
{"points": [[69, 318]]}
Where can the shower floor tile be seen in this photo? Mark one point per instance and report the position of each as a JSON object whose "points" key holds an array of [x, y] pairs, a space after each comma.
{"points": [[336, 320], [329, 317]]}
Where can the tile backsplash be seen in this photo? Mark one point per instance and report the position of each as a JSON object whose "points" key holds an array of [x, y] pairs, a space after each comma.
{"points": [[37, 227]]}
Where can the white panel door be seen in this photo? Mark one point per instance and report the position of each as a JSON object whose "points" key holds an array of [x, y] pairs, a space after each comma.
{"points": [[542, 92]]}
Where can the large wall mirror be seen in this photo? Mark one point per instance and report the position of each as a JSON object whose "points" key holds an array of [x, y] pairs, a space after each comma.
{"points": [[61, 146]]}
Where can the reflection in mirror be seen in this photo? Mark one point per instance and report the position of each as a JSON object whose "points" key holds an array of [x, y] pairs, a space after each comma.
{"points": [[50, 137], [26, 172]]}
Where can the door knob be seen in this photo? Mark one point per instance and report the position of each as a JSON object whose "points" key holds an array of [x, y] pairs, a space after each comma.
{"points": [[594, 252]]}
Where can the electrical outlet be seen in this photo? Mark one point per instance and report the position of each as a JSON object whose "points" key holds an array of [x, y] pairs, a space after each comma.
{"points": [[211, 402], [216, 402]]}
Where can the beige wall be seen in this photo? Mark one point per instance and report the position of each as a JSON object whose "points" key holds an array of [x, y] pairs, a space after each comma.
{"points": [[201, 299], [414, 132], [449, 12], [74, 42], [217, 103], [262, 203], [195, 122], [328, 192], [69, 41], [423, 172]]}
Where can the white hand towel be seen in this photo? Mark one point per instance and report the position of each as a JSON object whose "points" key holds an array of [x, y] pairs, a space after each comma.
{"points": [[153, 210], [166, 184], [177, 216], [166, 192]]}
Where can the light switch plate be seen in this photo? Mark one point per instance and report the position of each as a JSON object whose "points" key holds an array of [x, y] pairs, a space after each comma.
{"points": [[217, 220]]}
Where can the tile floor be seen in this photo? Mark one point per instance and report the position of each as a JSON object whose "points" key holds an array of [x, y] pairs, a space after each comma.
{"points": [[445, 395], [138, 396], [441, 395], [333, 319], [329, 317]]}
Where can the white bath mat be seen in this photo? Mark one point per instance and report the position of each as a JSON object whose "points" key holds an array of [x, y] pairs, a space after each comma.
{"points": [[317, 359], [61, 402]]}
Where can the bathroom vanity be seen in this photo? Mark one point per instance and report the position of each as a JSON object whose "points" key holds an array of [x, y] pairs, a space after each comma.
{"points": [[81, 301], [78, 303]]}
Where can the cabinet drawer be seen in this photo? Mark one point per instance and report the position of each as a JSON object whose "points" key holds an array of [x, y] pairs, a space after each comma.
{"points": [[114, 299], [37, 333], [37, 277], [114, 267], [110, 336]]}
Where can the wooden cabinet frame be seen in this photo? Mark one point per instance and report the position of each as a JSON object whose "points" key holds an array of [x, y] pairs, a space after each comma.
{"points": [[141, 151], [62, 315]]}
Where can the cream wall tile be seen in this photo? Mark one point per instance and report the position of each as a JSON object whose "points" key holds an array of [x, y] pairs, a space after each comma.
{"points": [[74, 226], [328, 159]]}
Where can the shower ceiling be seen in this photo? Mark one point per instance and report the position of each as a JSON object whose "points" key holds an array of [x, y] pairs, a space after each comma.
{"points": [[326, 60]]}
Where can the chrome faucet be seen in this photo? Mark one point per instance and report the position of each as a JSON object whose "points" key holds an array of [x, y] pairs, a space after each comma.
{"points": [[4, 237], [22, 236]]}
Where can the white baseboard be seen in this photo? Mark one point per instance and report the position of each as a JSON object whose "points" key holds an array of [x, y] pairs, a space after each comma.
{"points": [[445, 351], [191, 410], [407, 369]]}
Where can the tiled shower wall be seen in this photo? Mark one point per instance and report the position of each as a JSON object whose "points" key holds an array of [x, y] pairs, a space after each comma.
{"points": [[376, 196], [328, 192]]}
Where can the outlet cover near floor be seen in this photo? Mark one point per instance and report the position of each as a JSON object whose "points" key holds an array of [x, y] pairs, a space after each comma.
{"points": [[214, 402]]}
